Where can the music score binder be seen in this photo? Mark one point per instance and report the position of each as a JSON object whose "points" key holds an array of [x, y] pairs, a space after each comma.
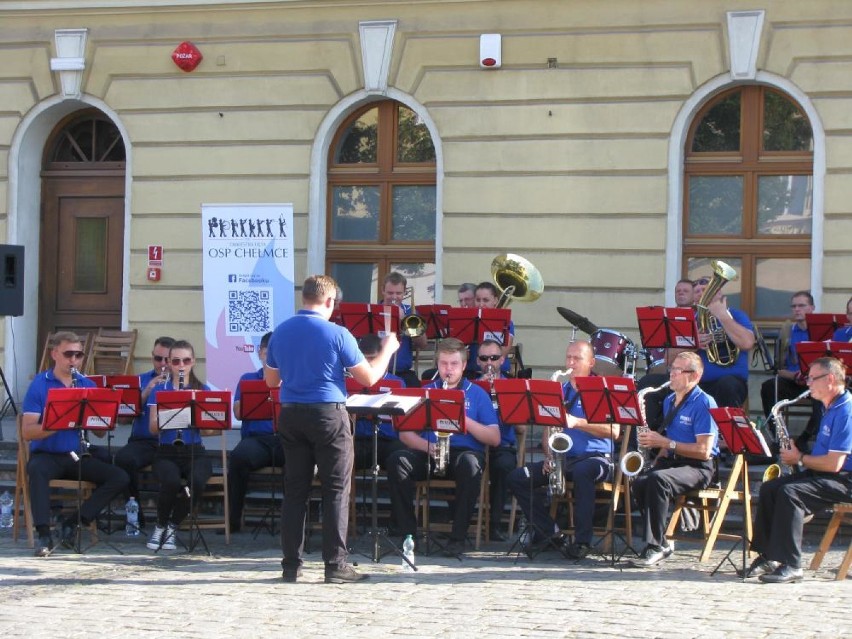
{"points": [[821, 326], [667, 327], [381, 386], [81, 409], [609, 400], [738, 433], [256, 399], [363, 319], [131, 393], [475, 325], [808, 352], [205, 410], [439, 411], [530, 401]]}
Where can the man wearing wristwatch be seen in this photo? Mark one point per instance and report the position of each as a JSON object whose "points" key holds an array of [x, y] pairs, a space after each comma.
{"points": [[824, 478], [688, 442]]}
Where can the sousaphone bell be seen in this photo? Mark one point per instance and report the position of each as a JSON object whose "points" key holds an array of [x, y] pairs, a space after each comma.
{"points": [[517, 279]]}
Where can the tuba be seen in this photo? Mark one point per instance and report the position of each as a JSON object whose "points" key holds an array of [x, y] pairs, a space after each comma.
{"points": [[442, 449], [774, 471], [516, 278], [412, 325], [639, 460], [721, 350]]}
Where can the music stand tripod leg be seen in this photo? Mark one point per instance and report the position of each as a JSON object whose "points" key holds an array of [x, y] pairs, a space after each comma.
{"points": [[9, 402]]}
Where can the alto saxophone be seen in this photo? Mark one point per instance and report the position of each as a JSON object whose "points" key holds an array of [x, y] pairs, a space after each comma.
{"points": [[773, 471], [639, 460], [558, 444], [442, 448]]}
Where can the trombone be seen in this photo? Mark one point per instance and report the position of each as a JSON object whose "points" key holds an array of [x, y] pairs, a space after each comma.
{"points": [[412, 325]]}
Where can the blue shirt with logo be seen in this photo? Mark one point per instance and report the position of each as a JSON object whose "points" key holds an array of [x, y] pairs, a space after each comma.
{"points": [[581, 441], [253, 427], [835, 430], [63, 441], [477, 406], [692, 419], [140, 429]]}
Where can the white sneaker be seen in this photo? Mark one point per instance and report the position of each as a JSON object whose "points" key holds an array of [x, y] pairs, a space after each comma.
{"points": [[156, 540], [169, 538]]}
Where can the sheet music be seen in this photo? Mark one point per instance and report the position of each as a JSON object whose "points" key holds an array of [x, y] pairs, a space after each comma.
{"points": [[174, 418], [398, 404]]}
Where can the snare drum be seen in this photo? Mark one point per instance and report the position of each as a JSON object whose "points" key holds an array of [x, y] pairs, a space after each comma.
{"points": [[611, 351], [655, 360]]}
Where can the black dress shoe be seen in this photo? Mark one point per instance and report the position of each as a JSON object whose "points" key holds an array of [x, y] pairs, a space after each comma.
{"points": [[43, 546], [343, 575], [784, 574], [69, 534], [577, 551], [291, 575], [760, 566]]}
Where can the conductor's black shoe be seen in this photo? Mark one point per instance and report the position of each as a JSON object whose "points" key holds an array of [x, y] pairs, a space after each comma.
{"points": [[577, 550], [69, 534], [760, 566], [651, 556], [345, 574], [291, 575], [43, 546], [783, 575]]}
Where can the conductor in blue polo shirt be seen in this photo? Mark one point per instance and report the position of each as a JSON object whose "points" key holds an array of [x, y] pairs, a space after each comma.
{"points": [[61, 454], [307, 357]]}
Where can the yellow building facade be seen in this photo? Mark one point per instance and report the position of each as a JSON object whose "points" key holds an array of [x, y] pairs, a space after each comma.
{"points": [[572, 153]]}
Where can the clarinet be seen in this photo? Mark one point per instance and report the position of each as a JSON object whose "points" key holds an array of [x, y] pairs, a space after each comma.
{"points": [[179, 436], [84, 435]]}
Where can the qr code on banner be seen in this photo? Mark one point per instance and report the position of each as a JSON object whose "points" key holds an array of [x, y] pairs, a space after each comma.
{"points": [[249, 311]]}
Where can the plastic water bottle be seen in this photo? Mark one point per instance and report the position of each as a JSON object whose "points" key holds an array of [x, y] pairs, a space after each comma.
{"points": [[408, 553], [5, 510], [131, 528]]}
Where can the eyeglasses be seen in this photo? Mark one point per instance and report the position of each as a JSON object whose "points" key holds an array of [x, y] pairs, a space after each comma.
{"points": [[488, 358], [799, 305], [160, 358], [675, 371], [73, 354], [811, 380], [177, 361], [702, 282]]}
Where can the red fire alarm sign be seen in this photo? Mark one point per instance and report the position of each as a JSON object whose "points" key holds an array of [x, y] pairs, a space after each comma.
{"points": [[153, 274], [187, 56]]}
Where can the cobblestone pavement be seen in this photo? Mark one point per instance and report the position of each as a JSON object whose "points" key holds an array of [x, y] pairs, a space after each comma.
{"points": [[238, 592]]}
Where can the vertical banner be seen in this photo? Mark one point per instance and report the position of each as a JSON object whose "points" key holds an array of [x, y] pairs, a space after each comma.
{"points": [[248, 284]]}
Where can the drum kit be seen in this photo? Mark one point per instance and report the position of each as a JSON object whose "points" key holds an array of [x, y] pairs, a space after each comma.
{"points": [[615, 353]]}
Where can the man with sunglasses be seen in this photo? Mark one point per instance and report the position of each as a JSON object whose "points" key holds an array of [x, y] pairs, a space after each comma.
{"points": [[141, 446], [824, 478], [61, 454], [685, 461]]}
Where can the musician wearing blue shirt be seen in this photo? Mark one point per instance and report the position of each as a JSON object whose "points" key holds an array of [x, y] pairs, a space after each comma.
{"points": [[467, 451], [393, 292], [62, 454], [259, 447], [844, 333], [141, 446], [825, 478], [307, 358], [181, 465], [488, 296], [587, 462], [688, 441]]}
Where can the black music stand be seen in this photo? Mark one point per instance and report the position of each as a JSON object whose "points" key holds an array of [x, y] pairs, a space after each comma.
{"points": [[9, 402], [438, 411], [375, 405], [81, 410], [742, 439], [611, 400], [199, 410], [821, 326], [535, 402]]}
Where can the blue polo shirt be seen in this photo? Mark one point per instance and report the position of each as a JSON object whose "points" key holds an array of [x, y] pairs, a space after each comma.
{"points": [[843, 334], [310, 354], [835, 430], [791, 359], [34, 402], [581, 441], [364, 426], [477, 406], [168, 436], [473, 351], [253, 427], [692, 419], [140, 429], [712, 372]]}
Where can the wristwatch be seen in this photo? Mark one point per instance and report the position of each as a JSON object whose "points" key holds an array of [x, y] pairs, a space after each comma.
{"points": [[672, 444]]}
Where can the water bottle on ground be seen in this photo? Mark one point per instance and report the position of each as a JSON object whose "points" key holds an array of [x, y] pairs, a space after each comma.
{"points": [[408, 553], [131, 528], [5, 510]]}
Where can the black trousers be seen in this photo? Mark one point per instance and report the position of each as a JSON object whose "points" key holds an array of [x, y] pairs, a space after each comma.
{"points": [[315, 435], [655, 490], [407, 467], [43, 467], [133, 457], [176, 468], [503, 460], [728, 390], [250, 454], [584, 472], [782, 507]]}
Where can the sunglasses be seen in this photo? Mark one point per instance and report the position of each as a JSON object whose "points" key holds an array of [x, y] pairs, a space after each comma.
{"points": [[160, 358], [73, 354], [489, 358], [177, 361]]}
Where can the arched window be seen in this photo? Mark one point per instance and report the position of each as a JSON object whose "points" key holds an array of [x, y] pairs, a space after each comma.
{"points": [[381, 202], [748, 188]]}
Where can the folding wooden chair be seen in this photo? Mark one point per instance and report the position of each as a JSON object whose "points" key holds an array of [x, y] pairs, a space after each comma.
{"points": [[841, 512], [111, 353]]}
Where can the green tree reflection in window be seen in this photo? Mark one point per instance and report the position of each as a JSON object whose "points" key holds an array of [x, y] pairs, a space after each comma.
{"points": [[719, 130]]}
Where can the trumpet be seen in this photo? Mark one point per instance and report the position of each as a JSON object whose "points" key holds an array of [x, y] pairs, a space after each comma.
{"points": [[773, 471], [721, 350], [179, 435], [442, 448], [639, 460], [490, 375], [412, 325]]}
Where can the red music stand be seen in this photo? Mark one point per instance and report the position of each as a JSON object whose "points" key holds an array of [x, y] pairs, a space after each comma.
{"points": [[439, 411], [474, 325], [609, 400], [808, 352], [131, 394], [436, 318], [363, 319], [530, 401], [667, 327], [738, 432], [821, 326], [256, 399]]}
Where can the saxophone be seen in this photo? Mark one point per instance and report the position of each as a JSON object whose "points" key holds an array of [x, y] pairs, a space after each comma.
{"points": [[558, 444], [179, 435], [639, 460], [721, 350], [442, 448], [773, 471]]}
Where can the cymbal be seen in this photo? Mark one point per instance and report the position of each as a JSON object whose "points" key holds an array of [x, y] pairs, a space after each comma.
{"points": [[582, 323]]}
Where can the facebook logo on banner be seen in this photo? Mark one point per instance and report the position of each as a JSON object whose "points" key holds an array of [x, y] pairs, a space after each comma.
{"points": [[232, 278]]}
